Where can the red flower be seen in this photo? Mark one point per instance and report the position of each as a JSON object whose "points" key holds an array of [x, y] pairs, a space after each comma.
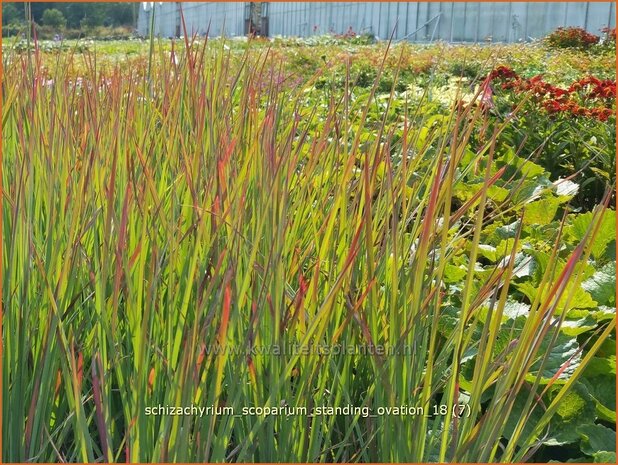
{"points": [[551, 106], [502, 72]]}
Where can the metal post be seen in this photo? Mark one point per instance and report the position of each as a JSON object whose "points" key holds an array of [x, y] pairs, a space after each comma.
{"points": [[478, 22], [452, 17]]}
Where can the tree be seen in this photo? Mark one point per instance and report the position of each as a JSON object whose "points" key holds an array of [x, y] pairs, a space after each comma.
{"points": [[74, 13], [54, 18], [10, 14], [95, 15], [120, 13]]}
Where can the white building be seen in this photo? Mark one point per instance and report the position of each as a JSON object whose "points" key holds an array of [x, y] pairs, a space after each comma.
{"points": [[419, 22]]}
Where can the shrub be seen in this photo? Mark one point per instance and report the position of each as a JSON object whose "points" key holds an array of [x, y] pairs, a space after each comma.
{"points": [[571, 37], [54, 18]]}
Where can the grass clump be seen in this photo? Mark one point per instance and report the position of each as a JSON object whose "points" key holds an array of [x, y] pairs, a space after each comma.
{"points": [[200, 229]]}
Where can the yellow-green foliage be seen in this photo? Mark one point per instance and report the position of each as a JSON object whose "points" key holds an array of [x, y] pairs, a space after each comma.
{"points": [[199, 198]]}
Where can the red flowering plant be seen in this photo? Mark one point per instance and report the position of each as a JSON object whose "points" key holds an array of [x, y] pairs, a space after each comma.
{"points": [[588, 97], [571, 37], [570, 129]]}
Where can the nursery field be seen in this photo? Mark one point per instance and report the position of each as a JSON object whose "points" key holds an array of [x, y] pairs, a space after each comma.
{"points": [[319, 250]]}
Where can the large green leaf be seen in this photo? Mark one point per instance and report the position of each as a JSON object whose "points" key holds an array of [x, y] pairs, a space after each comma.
{"points": [[577, 408], [525, 168], [467, 191], [454, 274], [604, 313], [562, 356], [578, 326], [524, 265], [541, 212], [507, 231], [515, 416], [606, 234], [578, 299], [514, 309], [487, 251], [529, 190], [602, 285], [603, 390], [601, 366], [597, 438]]}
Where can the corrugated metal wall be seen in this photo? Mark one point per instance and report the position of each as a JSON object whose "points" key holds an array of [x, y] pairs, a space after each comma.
{"points": [[419, 22], [218, 18]]}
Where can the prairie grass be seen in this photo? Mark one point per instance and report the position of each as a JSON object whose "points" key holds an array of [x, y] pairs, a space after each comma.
{"points": [[171, 223]]}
